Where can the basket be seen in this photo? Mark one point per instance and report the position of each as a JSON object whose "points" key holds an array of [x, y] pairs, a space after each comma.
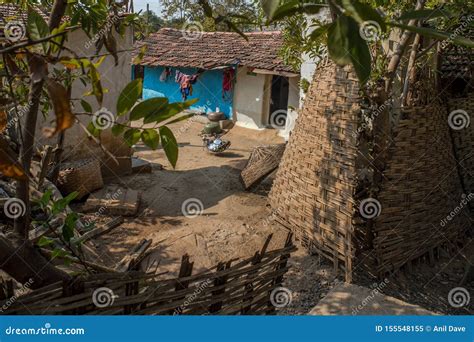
{"points": [[82, 176]]}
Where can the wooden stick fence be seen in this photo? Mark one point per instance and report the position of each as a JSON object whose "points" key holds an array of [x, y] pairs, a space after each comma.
{"points": [[233, 287]]}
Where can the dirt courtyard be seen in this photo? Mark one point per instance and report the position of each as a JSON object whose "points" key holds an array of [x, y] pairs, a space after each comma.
{"points": [[233, 222]]}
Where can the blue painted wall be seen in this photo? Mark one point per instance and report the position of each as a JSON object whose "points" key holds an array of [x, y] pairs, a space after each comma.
{"points": [[208, 89]]}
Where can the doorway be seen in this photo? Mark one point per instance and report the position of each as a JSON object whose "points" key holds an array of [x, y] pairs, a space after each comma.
{"points": [[279, 101]]}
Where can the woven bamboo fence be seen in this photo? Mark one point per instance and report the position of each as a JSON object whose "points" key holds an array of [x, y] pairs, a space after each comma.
{"points": [[230, 288], [463, 137], [329, 173]]}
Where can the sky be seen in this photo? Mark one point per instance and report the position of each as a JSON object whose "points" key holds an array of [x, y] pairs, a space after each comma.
{"points": [[155, 5]]}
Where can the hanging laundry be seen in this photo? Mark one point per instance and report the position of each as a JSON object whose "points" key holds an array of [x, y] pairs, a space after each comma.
{"points": [[186, 83], [165, 74], [228, 83]]}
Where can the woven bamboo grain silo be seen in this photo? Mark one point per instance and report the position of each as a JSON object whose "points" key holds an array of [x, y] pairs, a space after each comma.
{"points": [[376, 201]]}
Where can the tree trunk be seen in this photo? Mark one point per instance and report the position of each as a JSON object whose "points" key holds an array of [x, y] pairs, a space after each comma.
{"points": [[23, 262]]}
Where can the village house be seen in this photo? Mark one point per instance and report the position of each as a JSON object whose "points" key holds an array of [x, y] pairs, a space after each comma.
{"points": [[245, 79]]}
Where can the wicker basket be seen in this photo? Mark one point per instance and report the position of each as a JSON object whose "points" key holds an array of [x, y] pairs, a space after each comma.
{"points": [[82, 176]]}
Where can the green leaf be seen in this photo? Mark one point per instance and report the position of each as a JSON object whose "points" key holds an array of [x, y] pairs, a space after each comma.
{"points": [[132, 136], [58, 39], [151, 138], [318, 32], [293, 7], [61, 204], [169, 111], [148, 107], [44, 241], [59, 253], [168, 141], [206, 8], [69, 226], [363, 13], [425, 14], [338, 41], [117, 130], [129, 96], [37, 27], [96, 84], [346, 46], [269, 7], [45, 198], [86, 106], [181, 118], [429, 32], [93, 129]]}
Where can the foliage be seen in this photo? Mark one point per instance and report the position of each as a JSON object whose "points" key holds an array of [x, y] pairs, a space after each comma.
{"points": [[344, 37], [243, 14]]}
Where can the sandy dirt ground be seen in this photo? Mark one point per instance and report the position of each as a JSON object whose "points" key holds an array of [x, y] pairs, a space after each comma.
{"points": [[233, 222]]}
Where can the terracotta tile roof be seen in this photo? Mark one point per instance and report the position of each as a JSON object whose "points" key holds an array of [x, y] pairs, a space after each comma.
{"points": [[175, 48]]}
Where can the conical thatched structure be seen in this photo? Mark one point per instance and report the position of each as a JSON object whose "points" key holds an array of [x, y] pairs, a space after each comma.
{"points": [[354, 208]]}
